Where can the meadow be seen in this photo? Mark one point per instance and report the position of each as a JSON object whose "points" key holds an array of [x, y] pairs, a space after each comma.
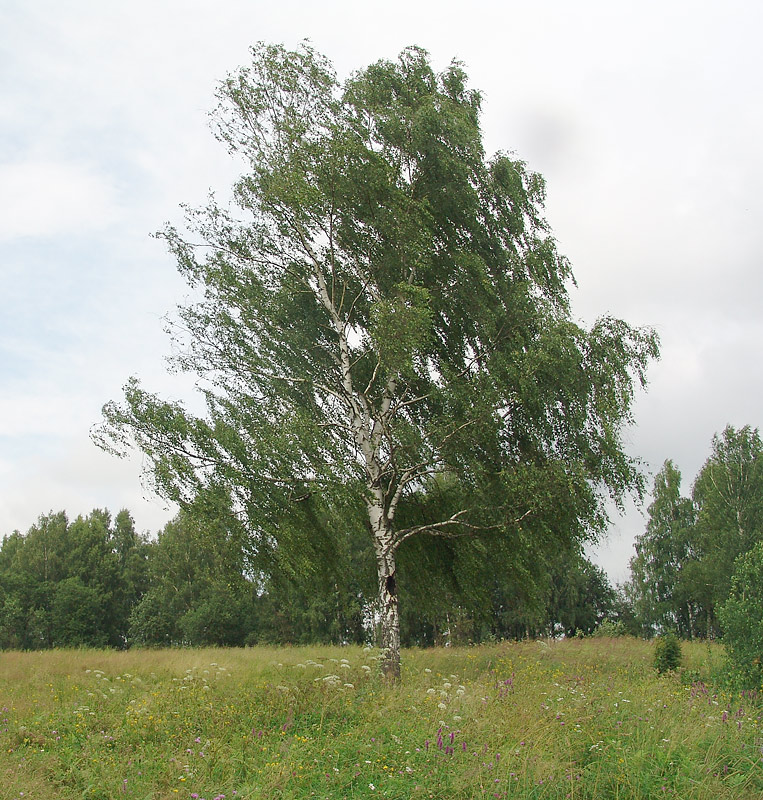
{"points": [[586, 718]]}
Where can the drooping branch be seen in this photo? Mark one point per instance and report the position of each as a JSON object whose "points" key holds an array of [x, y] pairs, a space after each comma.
{"points": [[444, 528]]}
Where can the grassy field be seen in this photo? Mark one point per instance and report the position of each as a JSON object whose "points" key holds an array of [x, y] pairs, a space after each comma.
{"points": [[575, 719]]}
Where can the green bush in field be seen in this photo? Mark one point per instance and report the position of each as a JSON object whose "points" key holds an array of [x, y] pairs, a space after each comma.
{"points": [[610, 628], [667, 653], [742, 619]]}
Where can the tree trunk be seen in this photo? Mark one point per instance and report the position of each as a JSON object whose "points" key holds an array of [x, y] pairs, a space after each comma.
{"points": [[389, 616], [383, 537]]}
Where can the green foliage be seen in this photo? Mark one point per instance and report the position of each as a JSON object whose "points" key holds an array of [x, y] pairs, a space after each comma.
{"points": [[610, 629], [197, 591], [667, 653], [742, 619], [76, 614], [581, 597]]}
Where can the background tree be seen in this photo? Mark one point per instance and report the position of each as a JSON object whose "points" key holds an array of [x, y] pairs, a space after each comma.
{"points": [[36, 565], [384, 306], [664, 554], [580, 596], [742, 618], [728, 493], [70, 584], [685, 559], [198, 593]]}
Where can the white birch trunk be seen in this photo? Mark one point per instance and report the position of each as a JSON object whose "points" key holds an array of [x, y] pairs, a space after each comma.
{"points": [[367, 427], [389, 616]]}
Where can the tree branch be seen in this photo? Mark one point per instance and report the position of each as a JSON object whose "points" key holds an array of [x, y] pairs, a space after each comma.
{"points": [[440, 528]]}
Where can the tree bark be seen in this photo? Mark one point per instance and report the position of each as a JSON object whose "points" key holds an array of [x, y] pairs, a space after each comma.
{"points": [[389, 616]]}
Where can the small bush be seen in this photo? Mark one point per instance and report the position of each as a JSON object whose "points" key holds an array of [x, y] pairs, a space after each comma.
{"points": [[609, 628], [667, 653]]}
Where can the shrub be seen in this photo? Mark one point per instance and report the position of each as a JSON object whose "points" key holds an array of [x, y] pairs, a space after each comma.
{"points": [[667, 653], [609, 628], [741, 617]]}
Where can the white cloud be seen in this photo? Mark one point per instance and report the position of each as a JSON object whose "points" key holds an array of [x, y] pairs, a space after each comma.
{"points": [[74, 477], [40, 198]]}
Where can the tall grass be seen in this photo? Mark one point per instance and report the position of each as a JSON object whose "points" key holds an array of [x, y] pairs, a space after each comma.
{"points": [[576, 719]]}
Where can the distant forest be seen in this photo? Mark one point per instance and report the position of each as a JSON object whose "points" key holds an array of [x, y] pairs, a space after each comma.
{"points": [[95, 581], [205, 580]]}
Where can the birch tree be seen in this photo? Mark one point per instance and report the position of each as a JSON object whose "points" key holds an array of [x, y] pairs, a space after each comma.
{"points": [[383, 309], [728, 495], [666, 559]]}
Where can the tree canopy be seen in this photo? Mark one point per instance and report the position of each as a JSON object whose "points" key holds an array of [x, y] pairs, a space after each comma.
{"points": [[383, 319]]}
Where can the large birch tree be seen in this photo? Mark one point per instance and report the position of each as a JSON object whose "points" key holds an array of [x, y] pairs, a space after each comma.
{"points": [[382, 310]]}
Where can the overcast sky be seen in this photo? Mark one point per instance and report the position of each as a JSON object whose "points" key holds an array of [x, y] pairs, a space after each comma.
{"points": [[645, 119]]}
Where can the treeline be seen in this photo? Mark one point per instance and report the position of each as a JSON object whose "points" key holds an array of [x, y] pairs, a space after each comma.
{"points": [[203, 580], [71, 583], [696, 548]]}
